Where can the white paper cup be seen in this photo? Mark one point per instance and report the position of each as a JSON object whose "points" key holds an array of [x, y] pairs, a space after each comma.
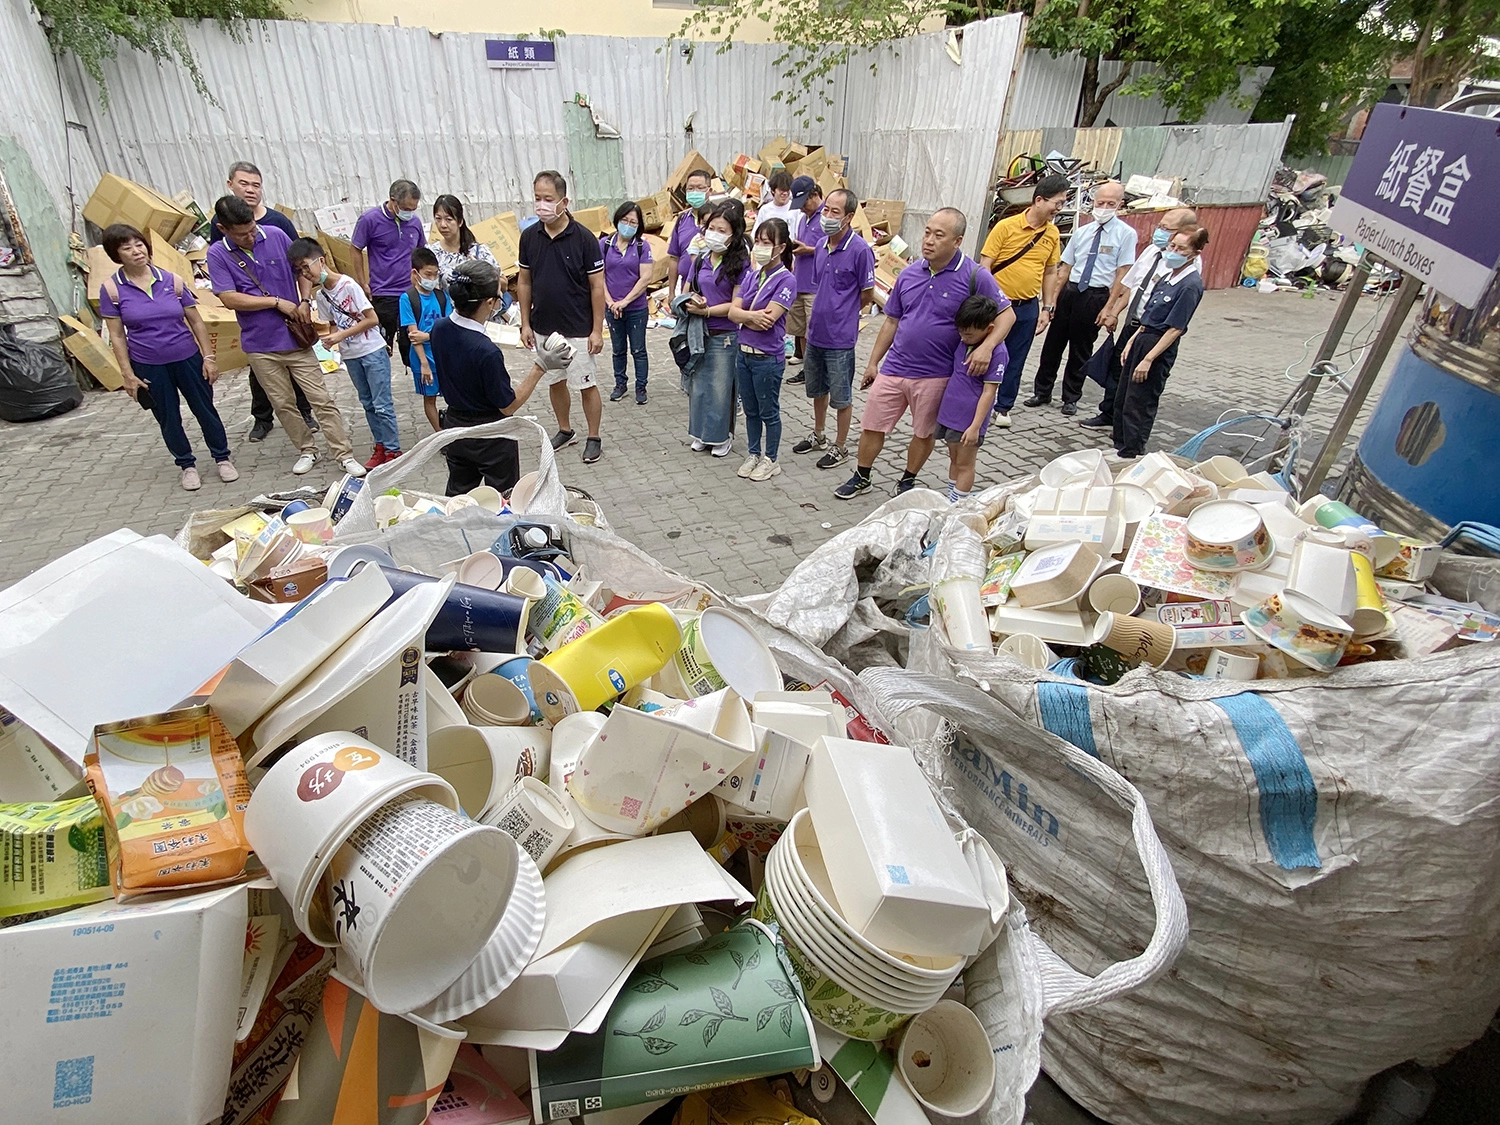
{"points": [[482, 569], [313, 525], [1114, 593], [535, 817], [477, 763], [1231, 665], [525, 489], [719, 649], [957, 602], [523, 582], [945, 1060], [414, 894], [495, 701], [705, 818], [309, 802], [570, 738], [488, 498], [1030, 650]]}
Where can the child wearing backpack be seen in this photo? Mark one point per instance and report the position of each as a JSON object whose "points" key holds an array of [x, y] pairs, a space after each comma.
{"points": [[421, 307]]}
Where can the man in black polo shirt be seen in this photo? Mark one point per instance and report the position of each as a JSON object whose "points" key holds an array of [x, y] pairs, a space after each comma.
{"points": [[561, 289]]}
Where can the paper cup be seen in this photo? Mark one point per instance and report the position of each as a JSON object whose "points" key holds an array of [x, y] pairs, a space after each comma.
{"points": [[312, 798], [1231, 665], [945, 1060], [720, 649], [314, 526], [488, 498], [706, 819], [483, 763], [1030, 650], [535, 817], [605, 662], [1369, 604], [525, 489], [1135, 638], [517, 671], [496, 701], [1227, 536], [1223, 471], [409, 872], [481, 569], [388, 510], [1301, 628], [1114, 593], [1333, 513], [958, 604], [456, 504], [523, 582], [470, 618]]}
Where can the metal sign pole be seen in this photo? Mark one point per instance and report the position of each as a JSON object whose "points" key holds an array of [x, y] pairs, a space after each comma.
{"points": [[1390, 331], [1302, 397]]}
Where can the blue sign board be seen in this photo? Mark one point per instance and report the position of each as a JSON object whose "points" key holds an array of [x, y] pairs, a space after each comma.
{"points": [[520, 54], [1421, 196]]}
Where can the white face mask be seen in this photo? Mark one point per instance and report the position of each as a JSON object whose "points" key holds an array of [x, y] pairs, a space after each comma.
{"points": [[1105, 214], [716, 241], [546, 210], [762, 254], [406, 216], [428, 284]]}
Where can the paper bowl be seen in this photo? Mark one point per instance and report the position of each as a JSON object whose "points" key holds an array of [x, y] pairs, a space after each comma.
{"points": [[1301, 628], [828, 1000], [946, 1061], [1223, 471], [311, 800], [509, 950], [1060, 471], [1227, 536]]}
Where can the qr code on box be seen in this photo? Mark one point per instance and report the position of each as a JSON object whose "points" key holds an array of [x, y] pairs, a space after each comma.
{"points": [[536, 844], [562, 1109], [73, 1083], [593, 1103], [514, 823]]}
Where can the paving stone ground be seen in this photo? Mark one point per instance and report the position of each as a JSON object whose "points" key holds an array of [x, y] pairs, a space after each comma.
{"points": [[67, 480]]}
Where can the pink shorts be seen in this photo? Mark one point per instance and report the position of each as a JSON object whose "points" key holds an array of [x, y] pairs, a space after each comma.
{"points": [[892, 396]]}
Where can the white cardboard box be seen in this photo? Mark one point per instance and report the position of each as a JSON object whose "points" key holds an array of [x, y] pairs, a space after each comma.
{"points": [[900, 876], [122, 1013]]}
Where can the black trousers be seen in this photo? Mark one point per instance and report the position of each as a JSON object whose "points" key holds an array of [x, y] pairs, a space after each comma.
{"points": [[492, 461], [388, 309], [1136, 403], [260, 402], [1072, 329]]}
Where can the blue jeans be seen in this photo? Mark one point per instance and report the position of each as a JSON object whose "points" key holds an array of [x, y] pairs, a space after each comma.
{"points": [[1018, 346], [185, 376], [371, 375], [711, 391], [830, 371], [629, 330], [759, 379]]}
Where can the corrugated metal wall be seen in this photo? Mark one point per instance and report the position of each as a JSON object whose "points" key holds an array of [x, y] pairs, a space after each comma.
{"points": [[316, 107], [1048, 89]]}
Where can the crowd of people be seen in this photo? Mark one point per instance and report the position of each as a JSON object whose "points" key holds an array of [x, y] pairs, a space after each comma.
{"points": [[755, 286]]}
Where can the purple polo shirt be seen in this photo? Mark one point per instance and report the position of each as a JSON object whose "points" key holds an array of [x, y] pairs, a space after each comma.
{"points": [[718, 288], [809, 232], [961, 396], [389, 242], [261, 330], [156, 330], [924, 304], [843, 272], [622, 267], [779, 288], [683, 233]]}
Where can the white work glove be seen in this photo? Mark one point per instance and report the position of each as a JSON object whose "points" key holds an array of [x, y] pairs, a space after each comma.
{"points": [[554, 353]]}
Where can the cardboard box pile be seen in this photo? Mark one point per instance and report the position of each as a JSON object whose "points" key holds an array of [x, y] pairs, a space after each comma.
{"points": [[118, 200]]}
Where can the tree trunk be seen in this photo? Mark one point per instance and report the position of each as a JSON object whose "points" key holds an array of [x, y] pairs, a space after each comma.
{"points": [[1093, 96], [1416, 93]]}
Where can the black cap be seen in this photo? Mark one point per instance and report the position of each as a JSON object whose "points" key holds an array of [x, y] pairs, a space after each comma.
{"points": [[802, 187]]}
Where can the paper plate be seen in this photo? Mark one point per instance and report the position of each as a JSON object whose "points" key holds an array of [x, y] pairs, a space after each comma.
{"points": [[739, 655], [508, 951]]}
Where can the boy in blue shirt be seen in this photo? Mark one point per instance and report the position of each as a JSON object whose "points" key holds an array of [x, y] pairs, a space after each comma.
{"points": [[421, 307]]}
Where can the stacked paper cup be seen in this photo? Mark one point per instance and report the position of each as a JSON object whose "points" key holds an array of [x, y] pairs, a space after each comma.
{"points": [[853, 986]]}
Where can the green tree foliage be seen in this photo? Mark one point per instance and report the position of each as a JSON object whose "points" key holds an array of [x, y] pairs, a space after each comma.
{"points": [[1448, 41], [92, 29]]}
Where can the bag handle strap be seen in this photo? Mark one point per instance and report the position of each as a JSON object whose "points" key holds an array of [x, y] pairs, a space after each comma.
{"points": [[1001, 267]]}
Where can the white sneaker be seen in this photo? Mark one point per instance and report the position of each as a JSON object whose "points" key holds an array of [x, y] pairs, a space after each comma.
{"points": [[722, 449], [748, 465], [1002, 421], [765, 470], [227, 472], [191, 480], [698, 446], [305, 464], [352, 467]]}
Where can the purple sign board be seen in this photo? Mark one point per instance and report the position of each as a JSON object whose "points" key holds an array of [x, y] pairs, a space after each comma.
{"points": [[1421, 196], [520, 54]]}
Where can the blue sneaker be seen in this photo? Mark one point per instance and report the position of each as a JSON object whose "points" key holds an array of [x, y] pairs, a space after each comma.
{"points": [[856, 485], [904, 485]]}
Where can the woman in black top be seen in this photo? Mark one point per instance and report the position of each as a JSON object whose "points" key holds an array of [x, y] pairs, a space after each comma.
{"points": [[1152, 350], [472, 377]]}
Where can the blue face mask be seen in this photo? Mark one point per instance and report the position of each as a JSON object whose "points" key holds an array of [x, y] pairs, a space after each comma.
{"points": [[627, 231], [1160, 238], [1174, 260]]}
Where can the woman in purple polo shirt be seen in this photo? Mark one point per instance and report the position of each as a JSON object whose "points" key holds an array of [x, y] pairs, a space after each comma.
{"points": [[714, 281], [687, 233], [163, 347], [768, 290], [628, 266]]}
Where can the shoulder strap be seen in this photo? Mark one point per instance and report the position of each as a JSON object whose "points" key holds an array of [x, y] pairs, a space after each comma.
{"points": [[973, 278], [112, 286], [442, 300], [414, 299], [1000, 267], [177, 285]]}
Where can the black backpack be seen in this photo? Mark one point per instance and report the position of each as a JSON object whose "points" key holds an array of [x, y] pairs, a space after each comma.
{"points": [[414, 298]]}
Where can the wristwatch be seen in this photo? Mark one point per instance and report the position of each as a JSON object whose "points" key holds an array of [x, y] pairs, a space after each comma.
{"points": [[1049, 308]]}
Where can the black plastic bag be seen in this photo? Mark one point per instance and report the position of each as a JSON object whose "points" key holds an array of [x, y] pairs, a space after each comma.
{"points": [[35, 379]]}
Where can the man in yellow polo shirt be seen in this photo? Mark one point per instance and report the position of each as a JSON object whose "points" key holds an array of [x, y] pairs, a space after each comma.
{"points": [[1023, 251]]}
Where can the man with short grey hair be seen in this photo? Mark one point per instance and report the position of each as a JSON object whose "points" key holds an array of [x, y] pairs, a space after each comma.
{"points": [[387, 235], [1094, 261]]}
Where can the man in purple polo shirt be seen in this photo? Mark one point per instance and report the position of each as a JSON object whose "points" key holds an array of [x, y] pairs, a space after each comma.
{"points": [[913, 355], [388, 234], [252, 275], [689, 226], [807, 236], [844, 267]]}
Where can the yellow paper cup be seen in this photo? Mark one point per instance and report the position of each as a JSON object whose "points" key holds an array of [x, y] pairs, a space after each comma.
{"points": [[1369, 604]]}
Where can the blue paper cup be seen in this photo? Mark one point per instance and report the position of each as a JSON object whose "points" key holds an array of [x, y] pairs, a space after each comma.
{"points": [[517, 671]]}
